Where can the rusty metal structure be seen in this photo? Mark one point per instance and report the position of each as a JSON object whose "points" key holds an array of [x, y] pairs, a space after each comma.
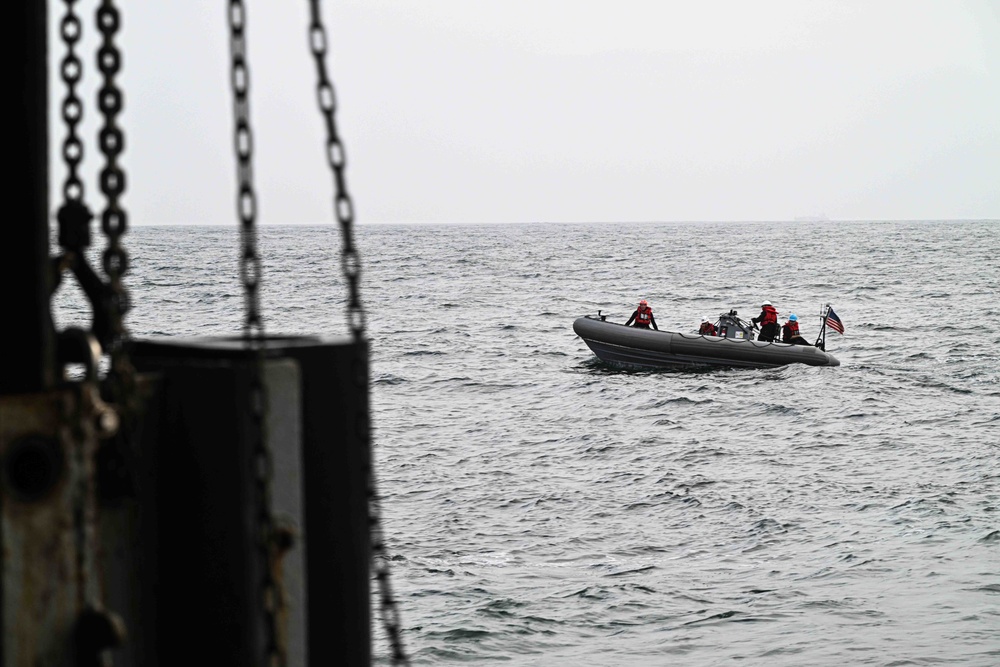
{"points": [[200, 501]]}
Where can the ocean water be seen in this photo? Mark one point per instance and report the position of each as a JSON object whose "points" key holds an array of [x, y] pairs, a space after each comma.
{"points": [[544, 509]]}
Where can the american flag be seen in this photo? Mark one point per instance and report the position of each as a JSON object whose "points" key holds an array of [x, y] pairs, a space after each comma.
{"points": [[833, 321]]}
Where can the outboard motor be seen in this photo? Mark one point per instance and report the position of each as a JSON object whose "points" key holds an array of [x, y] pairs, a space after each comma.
{"points": [[731, 326]]}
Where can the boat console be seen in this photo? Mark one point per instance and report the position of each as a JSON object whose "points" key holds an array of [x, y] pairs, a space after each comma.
{"points": [[731, 326]]}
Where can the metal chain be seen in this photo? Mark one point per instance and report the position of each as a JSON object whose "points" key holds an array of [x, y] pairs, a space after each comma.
{"points": [[351, 266], [246, 203], [388, 609], [73, 209], [253, 330], [71, 71], [343, 206], [114, 219], [73, 427]]}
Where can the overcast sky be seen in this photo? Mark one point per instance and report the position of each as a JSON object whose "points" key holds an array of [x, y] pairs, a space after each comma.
{"points": [[558, 110]]}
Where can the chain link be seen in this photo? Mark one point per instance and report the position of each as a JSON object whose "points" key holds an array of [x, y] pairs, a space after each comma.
{"points": [[71, 71], [114, 219], [75, 211], [336, 158], [272, 598], [388, 609], [246, 201], [356, 317]]}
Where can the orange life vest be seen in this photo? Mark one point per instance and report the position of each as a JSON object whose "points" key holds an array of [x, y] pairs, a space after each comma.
{"points": [[643, 316], [707, 329], [769, 315], [793, 328]]}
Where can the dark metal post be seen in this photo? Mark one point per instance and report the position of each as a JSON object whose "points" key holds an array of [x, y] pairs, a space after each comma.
{"points": [[26, 321], [201, 567], [821, 338]]}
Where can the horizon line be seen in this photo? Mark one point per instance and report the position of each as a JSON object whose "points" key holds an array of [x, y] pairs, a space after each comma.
{"points": [[793, 221]]}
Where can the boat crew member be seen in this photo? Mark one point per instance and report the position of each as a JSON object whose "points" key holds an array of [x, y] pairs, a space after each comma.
{"points": [[768, 320], [790, 332], [707, 328], [643, 316]]}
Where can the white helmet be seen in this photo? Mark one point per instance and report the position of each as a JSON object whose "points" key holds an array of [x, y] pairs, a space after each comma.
{"points": [[704, 319], [766, 303]]}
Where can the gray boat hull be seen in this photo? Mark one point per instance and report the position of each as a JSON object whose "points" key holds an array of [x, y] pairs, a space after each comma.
{"points": [[646, 348]]}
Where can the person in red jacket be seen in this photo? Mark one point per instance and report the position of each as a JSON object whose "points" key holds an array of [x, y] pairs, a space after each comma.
{"points": [[643, 316], [768, 320], [707, 328], [790, 332]]}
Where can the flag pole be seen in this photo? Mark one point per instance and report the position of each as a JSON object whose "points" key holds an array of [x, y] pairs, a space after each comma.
{"points": [[821, 339]]}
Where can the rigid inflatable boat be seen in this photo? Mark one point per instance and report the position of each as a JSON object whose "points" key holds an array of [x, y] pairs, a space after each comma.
{"points": [[620, 345]]}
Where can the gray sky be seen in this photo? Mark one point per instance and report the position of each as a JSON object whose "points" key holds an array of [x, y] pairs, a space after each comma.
{"points": [[551, 110]]}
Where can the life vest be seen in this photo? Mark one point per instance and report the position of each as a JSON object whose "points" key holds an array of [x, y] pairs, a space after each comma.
{"points": [[643, 316], [792, 328], [707, 329], [768, 315]]}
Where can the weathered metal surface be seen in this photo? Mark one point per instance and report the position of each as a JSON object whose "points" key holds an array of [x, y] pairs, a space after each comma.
{"points": [[197, 491], [201, 568], [47, 516], [283, 379], [336, 459]]}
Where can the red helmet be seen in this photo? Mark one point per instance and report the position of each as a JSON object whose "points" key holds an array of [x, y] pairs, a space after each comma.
{"points": [[642, 302]]}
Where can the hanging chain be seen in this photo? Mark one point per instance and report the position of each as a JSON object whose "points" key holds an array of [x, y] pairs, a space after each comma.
{"points": [[74, 220], [114, 219], [253, 331], [71, 70], [73, 216], [246, 204], [351, 266], [343, 207], [388, 609]]}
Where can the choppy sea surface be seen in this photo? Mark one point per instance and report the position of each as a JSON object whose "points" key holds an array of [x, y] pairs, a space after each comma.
{"points": [[545, 509]]}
